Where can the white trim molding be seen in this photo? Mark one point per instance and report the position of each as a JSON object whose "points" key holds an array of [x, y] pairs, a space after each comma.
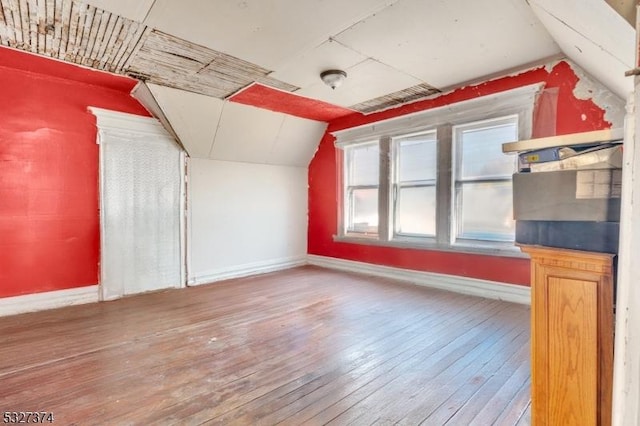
{"points": [[471, 286], [247, 269], [48, 300], [626, 361], [126, 122]]}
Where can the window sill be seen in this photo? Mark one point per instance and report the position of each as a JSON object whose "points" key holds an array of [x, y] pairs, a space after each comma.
{"points": [[498, 249]]}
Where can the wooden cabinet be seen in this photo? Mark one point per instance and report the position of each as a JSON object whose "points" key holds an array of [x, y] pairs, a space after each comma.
{"points": [[571, 336]]}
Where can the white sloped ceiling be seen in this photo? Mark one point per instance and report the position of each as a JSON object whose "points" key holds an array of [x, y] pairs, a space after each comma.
{"points": [[210, 128], [593, 35], [193, 117]]}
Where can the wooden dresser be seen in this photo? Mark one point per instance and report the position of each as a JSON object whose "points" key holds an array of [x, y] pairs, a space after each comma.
{"points": [[572, 318]]}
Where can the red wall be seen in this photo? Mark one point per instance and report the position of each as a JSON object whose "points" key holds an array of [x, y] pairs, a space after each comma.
{"points": [[49, 218], [573, 115]]}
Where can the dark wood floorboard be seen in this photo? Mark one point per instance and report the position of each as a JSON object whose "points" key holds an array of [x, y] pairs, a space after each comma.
{"points": [[303, 346]]}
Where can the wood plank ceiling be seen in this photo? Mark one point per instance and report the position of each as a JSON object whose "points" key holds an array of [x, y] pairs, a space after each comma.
{"points": [[169, 61], [71, 31], [414, 93], [79, 33]]}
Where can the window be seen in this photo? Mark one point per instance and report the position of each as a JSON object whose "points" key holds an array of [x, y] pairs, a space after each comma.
{"points": [[361, 188], [483, 200], [414, 185], [436, 179]]}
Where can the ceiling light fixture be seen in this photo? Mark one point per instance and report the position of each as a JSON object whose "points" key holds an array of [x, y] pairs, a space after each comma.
{"points": [[333, 78]]}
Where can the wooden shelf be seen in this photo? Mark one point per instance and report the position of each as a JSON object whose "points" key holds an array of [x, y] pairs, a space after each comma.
{"points": [[597, 136]]}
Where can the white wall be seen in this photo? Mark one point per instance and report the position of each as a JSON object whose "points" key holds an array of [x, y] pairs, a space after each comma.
{"points": [[244, 218]]}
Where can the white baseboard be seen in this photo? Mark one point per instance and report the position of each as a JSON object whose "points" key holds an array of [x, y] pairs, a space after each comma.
{"points": [[246, 270], [471, 286], [483, 288], [48, 300]]}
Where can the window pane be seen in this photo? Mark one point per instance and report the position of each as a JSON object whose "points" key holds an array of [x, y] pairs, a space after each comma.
{"points": [[487, 212], [417, 158], [363, 162], [481, 150], [416, 211], [364, 207]]}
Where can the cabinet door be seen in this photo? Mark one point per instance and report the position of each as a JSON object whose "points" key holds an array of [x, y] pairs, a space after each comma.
{"points": [[572, 344], [572, 351]]}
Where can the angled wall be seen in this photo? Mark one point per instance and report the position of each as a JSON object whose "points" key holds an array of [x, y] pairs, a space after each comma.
{"points": [[244, 218], [247, 184]]}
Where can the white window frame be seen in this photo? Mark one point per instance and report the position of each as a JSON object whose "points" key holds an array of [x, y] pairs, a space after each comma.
{"points": [[518, 102], [348, 191], [396, 185], [458, 182]]}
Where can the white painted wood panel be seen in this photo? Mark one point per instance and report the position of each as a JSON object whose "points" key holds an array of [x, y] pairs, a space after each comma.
{"points": [[447, 42], [193, 117], [596, 21], [297, 141], [245, 133], [626, 367], [245, 218], [594, 36]]}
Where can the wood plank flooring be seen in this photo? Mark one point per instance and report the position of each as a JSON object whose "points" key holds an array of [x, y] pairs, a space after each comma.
{"points": [[307, 346]]}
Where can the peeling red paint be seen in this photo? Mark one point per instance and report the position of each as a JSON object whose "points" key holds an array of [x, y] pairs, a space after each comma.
{"points": [[561, 76], [49, 223], [276, 100], [572, 115], [570, 109]]}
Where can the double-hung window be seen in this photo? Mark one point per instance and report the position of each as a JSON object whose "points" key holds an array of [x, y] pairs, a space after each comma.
{"points": [[414, 185], [483, 200], [437, 179], [361, 188]]}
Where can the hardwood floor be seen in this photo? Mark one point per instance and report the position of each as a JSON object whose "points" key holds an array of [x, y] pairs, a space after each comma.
{"points": [[303, 346]]}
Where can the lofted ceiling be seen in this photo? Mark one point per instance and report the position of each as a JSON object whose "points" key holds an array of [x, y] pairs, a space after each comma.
{"points": [[394, 51]]}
